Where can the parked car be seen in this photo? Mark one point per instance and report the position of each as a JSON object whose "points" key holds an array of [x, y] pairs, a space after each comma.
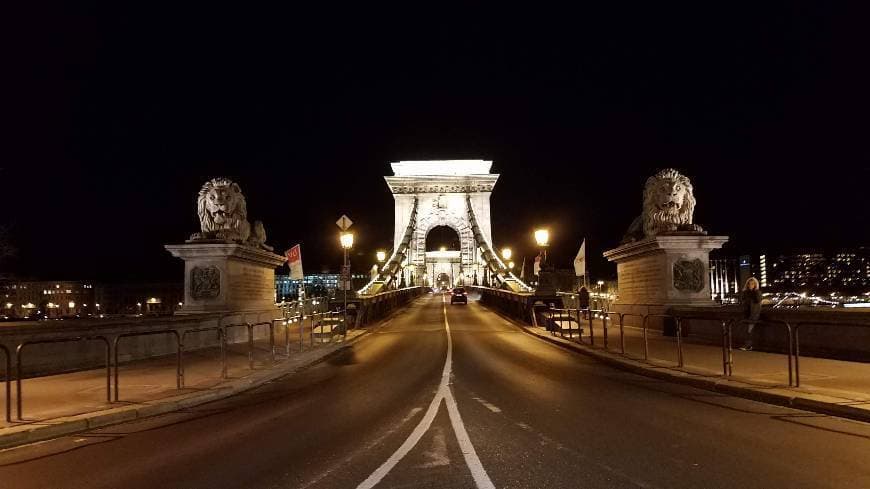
{"points": [[458, 295]]}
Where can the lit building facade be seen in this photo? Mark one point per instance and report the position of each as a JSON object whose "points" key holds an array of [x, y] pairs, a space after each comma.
{"points": [[71, 299], [317, 284], [725, 279], [817, 271], [156, 298], [50, 299]]}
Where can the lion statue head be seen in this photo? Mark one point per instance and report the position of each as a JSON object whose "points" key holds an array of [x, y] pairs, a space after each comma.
{"points": [[223, 212], [668, 206]]}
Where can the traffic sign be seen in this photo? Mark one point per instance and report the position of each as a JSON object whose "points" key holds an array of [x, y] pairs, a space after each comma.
{"points": [[345, 278], [344, 222]]}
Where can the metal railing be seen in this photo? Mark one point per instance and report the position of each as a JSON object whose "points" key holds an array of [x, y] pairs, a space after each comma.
{"points": [[19, 353], [529, 309], [552, 315], [178, 367], [7, 379], [678, 334], [111, 336], [727, 343], [223, 348]]}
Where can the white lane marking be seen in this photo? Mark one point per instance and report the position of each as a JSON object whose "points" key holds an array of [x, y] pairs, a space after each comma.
{"points": [[478, 473], [372, 444], [488, 405], [413, 438]]}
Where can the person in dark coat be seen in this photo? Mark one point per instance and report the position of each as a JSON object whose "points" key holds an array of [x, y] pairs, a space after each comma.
{"points": [[751, 300], [583, 298]]}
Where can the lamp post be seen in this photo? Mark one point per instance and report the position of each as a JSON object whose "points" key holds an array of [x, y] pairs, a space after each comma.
{"points": [[600, 299], [545, 283], [346, 240], [506, 253], [542, 238]]}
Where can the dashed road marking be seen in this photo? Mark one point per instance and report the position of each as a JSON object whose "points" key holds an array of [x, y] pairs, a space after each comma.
{"points": [[488, 405]]}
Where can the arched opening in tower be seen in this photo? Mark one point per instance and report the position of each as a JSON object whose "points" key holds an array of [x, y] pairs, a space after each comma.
{"points": [[442, 238]]}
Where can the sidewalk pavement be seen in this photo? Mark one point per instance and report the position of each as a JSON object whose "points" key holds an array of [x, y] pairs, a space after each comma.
{"points": [[61, 404], [833, 387]]}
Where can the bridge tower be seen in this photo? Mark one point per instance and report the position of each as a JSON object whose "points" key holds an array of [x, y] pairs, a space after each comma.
{"points": [[452, 193], [442, 192]]}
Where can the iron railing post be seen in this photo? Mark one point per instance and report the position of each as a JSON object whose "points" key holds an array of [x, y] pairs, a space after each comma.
{"points": [[797, 355], [679, 342], [622, 332], [8, 381]]}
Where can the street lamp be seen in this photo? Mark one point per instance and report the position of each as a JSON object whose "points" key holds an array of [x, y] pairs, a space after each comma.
{"points": [[506, 253], [346, 240], [542, 238], [382, 255], [511, 265]]}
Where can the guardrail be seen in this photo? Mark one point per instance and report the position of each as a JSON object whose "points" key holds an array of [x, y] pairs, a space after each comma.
{"points": [[369, 308], [791, 343], [18, 339], [222, 339], [178, 367], [525, 307], [6, 377], [20, 367], [15, 340]]}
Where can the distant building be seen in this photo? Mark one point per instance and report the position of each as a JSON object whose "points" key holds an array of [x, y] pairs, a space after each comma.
{"points": [[316, 284], [51, 299], [69, 299], [725, 280], [813, 271], [158, 298]]}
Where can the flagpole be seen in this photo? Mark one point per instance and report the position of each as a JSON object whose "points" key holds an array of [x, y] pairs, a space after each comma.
{"points": [[585, 267]]}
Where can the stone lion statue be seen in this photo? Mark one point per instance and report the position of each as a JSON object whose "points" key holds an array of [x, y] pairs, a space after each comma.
{"points": [[668, 207], [223, 215]]}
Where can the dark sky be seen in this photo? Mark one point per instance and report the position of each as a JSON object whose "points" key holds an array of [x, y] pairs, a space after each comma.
{"points": [[116, 117]]}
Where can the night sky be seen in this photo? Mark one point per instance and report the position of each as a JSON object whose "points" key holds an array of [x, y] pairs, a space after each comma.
{"points": [[115, 118]]}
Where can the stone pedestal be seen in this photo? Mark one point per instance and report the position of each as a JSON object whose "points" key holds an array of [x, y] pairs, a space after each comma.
{"points": [[662, 271], [223, 276]]}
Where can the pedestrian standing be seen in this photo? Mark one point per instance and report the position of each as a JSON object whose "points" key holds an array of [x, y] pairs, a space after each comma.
{"points": [[583, 299], [751, 300]]}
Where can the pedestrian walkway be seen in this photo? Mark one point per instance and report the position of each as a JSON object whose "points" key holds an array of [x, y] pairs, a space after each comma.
{"points": [[148, 387], [833, 384]]}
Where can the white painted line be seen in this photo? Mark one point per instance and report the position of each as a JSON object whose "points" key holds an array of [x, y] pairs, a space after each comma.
{"points": [[488, 405], [478, 473]]}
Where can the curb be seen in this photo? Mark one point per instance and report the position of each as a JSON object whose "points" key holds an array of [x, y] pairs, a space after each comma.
{"points": [[817, 403], [14, 436]]}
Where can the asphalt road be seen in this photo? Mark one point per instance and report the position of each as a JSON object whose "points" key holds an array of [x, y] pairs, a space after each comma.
{"points": [[484, 405]]}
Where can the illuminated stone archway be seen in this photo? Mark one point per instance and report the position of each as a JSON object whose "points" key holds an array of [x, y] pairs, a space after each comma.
{"points": [[443, 190]]}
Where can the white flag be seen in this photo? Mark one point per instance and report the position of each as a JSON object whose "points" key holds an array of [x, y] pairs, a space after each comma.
{"points": [[536, 269], [580, 261]]}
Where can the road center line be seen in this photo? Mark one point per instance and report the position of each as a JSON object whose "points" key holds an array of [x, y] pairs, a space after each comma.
{"points": [[478, 473]]}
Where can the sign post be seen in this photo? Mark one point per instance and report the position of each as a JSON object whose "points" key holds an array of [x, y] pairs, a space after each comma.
{"points": [[344, 223]]}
